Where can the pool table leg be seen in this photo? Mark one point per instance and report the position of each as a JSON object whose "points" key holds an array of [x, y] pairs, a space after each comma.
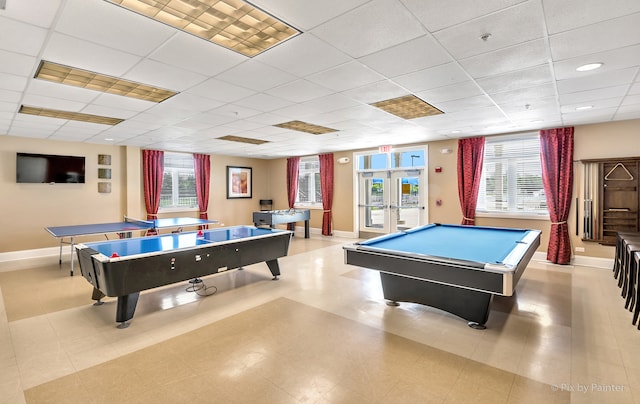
{"points": [[126, 308], [274, 268], [470, 305]]}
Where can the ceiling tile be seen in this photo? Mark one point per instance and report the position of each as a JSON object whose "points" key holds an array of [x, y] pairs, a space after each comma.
{"points": [[195, 54], [299, 91], [36, 12], [566, 15], [85, 55], [416, 54], [346, 76], [112, 26], [591, 95], [456, 91], [512, 26], [433, 77], [256, 76], [594, 81], [381, 24], [599, 37], [307, 14], [517, 57], [514, 80], [21, 38], [436, 14], [303, 55], [377, 91], [167, 77], [613, 60]]}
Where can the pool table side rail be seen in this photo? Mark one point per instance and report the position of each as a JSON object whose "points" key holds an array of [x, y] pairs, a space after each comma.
{"points": [[500, 278], [445, 272]]}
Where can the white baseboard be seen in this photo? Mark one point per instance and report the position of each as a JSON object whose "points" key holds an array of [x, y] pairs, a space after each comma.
{"points": [[12, 260], [582, 260]]}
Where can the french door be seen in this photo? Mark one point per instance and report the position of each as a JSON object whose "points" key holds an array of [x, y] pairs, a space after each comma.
{"points": [[391, 200]]}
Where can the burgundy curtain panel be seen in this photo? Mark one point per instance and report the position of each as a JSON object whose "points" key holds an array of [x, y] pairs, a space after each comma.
{"points": [[326, 186], [292, 183], [202, 170], [470, 157], [152, 171], [556, 157]]}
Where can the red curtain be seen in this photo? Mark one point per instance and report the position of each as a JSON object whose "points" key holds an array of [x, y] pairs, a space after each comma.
{"points": [[326, 186], [470, 156], [556, 157], [202, 169], [292, 183], [152, 171]]}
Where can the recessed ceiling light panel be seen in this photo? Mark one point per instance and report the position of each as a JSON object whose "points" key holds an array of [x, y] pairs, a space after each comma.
{"points": [[73, 116], [305, 127], [234, 24], [589, 67], [72, 76], [407, 107], [243, 139]]}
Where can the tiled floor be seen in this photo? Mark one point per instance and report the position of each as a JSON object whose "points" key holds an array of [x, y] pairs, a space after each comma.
{"points": [[320, 334]]}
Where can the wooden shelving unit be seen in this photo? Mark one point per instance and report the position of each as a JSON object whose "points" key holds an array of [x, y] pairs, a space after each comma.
{"points": [[618, 198]]}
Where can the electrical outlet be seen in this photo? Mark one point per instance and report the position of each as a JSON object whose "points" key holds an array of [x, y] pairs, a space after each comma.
{"points": [[579, 249]]}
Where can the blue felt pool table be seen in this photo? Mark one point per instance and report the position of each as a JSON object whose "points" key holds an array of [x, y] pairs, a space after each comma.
{"points": [[122, 268], [451, 267]]}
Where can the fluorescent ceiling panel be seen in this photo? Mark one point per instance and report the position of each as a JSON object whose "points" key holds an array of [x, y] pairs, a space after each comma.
{"points": [[72, 76], [242, 139], [73, 116], [407, 107], [305, 127], [234, 24]]}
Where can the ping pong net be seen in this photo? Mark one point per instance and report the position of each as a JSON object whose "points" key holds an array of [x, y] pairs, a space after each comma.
{"points": [[149, 225]]}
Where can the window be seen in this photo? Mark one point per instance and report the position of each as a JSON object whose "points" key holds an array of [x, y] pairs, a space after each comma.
{"points": [[511, 181], [400, 158], [178, 182], [309, 191]]}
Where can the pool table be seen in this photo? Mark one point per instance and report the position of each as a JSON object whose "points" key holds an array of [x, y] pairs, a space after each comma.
{"points": [[450, 267], [122, 268]]}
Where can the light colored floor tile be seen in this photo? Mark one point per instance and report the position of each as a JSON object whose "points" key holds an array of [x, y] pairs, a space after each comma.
{"points": [[322, 333]]}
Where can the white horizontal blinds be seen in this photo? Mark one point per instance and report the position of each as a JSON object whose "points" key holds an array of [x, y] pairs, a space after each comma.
{"points": [[179, 182], [309, 190], [512, 176]]}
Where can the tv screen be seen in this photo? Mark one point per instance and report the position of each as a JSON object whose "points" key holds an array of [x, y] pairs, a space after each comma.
{"points": [[48, 168]]}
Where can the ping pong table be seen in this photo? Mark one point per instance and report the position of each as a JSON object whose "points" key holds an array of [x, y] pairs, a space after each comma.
{"points": [[124, 229]]}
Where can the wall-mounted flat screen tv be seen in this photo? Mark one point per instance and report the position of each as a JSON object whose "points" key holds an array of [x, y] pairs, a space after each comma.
{"points": [[48, 168]]}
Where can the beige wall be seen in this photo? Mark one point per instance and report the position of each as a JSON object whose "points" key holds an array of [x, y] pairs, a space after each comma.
{"points": [[27, 208]]}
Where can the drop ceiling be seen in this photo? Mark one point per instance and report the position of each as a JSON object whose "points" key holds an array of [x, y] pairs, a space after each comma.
{"points": [[491, 67]]}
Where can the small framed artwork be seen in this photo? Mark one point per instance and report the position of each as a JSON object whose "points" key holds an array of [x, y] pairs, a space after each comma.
{"points": [[104, 159], [238, 182], [104, 173], [104, 187]]}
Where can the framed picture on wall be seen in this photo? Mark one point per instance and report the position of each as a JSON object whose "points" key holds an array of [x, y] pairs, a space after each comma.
{"points": [[239, 183]]}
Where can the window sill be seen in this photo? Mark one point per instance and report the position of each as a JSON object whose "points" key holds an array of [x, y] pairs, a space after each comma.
{"points": [[310, 207], [178, 209], [513, 216]]}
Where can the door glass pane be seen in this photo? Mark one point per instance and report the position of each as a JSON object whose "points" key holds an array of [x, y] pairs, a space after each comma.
{"points": [[408, 202], [374, 199]]}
